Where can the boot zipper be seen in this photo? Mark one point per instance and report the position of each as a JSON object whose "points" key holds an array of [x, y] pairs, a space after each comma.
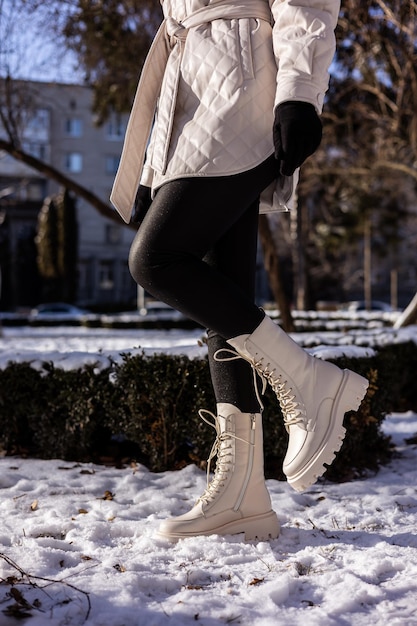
{"points": [[249, 466]]}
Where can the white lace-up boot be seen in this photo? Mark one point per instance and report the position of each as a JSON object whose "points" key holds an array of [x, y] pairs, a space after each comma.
{"points": [[236, 500], [314, 396]]}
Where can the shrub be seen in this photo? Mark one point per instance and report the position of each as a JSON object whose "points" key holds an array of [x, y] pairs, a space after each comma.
{"points": [[161, 396], [146, 409]]}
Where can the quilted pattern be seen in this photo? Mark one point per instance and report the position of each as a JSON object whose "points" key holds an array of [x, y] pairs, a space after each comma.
{"points": [[222, 79], [224, 107]]}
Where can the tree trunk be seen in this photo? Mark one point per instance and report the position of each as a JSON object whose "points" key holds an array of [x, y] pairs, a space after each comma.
{"points": [[367, 262], [272, 268], [299, 235]]}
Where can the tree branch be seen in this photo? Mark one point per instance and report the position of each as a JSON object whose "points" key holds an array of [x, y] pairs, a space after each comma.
{"points": [[51, 172], [365, 171], [272, 267]]}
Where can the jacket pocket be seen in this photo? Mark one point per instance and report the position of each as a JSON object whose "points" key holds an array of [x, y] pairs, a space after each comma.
{"points": [[218, 58], [245, 42]]}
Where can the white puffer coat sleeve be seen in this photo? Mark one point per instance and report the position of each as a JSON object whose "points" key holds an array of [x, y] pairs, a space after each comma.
{"points": [[304, 45]]}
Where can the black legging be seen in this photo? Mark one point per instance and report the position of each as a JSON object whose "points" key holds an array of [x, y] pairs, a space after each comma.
{"points": [[196, 251]]}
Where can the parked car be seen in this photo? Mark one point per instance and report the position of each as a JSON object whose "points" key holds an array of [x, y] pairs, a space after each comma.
{"points": [[160, 310], [57, 310], [360, 305]]}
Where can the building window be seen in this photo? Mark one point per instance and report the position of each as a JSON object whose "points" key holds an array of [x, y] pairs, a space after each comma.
{"points": [[37, 150], [74, 162], [74, 127], [116, 127], [112, 163], [35, 190], [106, 275], [85, 278], [36, 125], [35, 135], [113, 233]]}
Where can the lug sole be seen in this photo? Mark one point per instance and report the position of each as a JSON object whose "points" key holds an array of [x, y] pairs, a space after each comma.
{"points": [[257, 527], [351, 392]]}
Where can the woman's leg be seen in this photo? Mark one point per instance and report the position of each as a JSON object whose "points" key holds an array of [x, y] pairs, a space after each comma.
{"points": [[234, 256], [196, 250], [185, 221]]}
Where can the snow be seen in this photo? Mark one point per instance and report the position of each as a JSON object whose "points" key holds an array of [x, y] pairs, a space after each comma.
{"points": [[71, 347], [82, 537]]}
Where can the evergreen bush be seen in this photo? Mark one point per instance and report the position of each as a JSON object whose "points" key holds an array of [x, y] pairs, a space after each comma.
{"points": [[146, 409], [57, 247]]}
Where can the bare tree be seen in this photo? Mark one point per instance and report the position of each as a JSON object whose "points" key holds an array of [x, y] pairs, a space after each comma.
{"points": [[365, 169], [17, 101], [370, 141]]}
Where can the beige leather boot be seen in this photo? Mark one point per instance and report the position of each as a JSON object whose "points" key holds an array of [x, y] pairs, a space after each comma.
{"points": [[236, 500], [314, 396]]}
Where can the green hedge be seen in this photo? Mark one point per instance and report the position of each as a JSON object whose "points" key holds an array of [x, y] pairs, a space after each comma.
{"points": [[146, 409]]}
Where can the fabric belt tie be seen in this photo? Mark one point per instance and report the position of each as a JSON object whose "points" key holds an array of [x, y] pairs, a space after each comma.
{"points": [[169, 40]]}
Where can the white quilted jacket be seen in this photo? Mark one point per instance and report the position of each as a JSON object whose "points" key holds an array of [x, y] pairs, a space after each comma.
{"points": [[206, 97]]}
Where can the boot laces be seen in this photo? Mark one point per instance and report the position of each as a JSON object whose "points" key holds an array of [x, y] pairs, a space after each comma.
{"points": [[223, 449], [289, 406], [291, 411]]}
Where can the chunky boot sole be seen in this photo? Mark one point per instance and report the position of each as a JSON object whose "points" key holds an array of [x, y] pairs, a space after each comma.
{"points": [[351, 392], [257, 527]]}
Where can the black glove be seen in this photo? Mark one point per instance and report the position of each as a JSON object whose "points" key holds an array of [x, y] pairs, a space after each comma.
{"points": [[297, 133], [142, 203]]}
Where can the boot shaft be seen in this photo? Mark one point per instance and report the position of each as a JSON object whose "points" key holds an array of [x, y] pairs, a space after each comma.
{"points": [[236, 500], [301, 382], [241, 437], [313, 395]]}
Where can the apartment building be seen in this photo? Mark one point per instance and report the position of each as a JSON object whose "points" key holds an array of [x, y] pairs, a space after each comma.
{"points": [[57, 125]]}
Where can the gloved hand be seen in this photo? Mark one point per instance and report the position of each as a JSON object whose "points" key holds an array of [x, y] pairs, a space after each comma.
{"points": [[142, 203], [297, 134]]}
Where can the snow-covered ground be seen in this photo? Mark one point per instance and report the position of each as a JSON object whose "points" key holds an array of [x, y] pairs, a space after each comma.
{"points": [[78, 544], [70, 347]]}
